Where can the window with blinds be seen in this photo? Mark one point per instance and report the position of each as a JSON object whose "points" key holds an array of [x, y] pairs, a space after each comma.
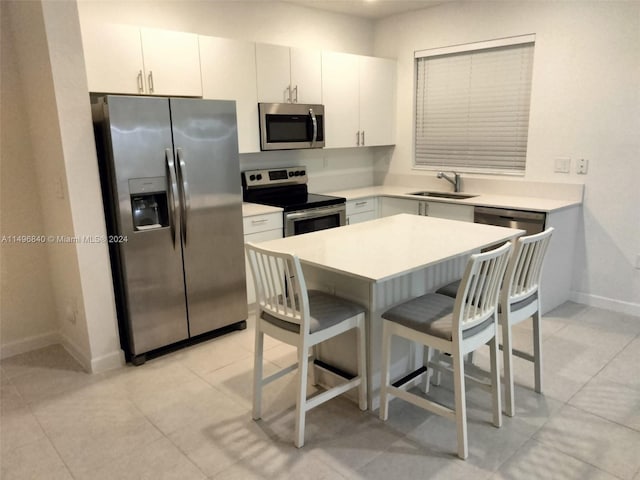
{"points": [[472, 106]]}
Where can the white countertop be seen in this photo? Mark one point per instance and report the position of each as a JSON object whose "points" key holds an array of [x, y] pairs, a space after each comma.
{"points": [[252, 209], [388, 247], [536, 204]]}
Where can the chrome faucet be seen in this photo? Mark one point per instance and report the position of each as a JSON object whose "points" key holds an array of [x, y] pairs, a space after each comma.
{"points": [[455, 181]]}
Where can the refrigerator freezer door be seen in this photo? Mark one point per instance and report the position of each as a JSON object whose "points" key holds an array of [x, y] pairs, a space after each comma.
{"points": [[206, 148], [151, 260]]}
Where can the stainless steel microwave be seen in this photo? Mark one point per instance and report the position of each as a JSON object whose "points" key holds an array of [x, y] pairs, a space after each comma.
{"points": [[289, 126]]}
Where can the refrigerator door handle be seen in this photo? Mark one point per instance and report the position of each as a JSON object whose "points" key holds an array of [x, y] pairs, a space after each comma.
{"points": [[185, 200], [172, 192]]}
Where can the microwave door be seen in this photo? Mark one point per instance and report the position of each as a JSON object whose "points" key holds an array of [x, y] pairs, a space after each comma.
{"points": [[285, 126]]}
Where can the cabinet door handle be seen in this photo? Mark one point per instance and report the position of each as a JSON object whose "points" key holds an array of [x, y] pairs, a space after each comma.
{"points": [[295, 91], [140, 84], [259, 222], [287, 94], [360, 204], [151, 88], [425, 209], [363, 138], [358, 138]]}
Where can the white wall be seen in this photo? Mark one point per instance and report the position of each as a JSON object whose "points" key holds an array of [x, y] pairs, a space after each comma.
{"points": [[24, 267], [585, 103], [48, 52]]}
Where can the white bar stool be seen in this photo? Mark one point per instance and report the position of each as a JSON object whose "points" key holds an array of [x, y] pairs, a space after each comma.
{"points": [[291, 314], [454, 326]]}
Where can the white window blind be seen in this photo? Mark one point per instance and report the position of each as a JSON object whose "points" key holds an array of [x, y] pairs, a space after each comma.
{"points": [[472, 108]]}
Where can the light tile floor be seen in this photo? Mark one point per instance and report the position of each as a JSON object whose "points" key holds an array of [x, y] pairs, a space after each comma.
{"points": [[187, 416]]}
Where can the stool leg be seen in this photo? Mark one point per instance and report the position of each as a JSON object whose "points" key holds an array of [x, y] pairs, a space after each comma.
{"points": [[257, 373], [438, 373], [460, 399], [312, 366], [495, 382], [537, 350], [509, 403], [362, 363], [426, 379], [301, 398], [384, 378]]}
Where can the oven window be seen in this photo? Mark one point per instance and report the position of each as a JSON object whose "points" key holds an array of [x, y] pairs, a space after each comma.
{"points": [[318, 223]]}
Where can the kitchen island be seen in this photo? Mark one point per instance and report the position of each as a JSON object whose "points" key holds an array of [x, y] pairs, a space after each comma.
{"points": [[381, 263]]}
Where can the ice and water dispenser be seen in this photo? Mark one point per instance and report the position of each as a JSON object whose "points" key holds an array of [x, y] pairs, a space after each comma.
{"points": [[149, 205]]}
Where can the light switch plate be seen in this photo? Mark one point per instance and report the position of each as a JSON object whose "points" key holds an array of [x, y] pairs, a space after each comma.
{"points": [[582, 165], [562, 165]]}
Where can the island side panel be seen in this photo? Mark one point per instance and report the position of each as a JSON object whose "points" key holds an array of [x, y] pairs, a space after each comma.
{"points": [[376, 298]]}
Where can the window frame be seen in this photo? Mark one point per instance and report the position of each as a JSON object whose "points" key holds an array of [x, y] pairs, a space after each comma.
{"points": [[465, 48]]}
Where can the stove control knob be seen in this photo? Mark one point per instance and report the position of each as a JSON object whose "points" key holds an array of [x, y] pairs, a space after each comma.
{"points": [[291, 174], [252, 177], [259, 176], [302, 172]]}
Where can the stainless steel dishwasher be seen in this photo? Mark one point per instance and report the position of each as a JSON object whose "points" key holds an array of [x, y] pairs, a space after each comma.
{"points": [[531, 222]]}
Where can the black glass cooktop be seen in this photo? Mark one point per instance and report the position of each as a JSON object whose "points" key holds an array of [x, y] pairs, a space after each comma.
{"points": [[290, 198]]}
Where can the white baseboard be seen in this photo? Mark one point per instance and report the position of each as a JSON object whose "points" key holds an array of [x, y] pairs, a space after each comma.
{"points": [[108, 362], [93, 365], [28, 344], [614, 305]]}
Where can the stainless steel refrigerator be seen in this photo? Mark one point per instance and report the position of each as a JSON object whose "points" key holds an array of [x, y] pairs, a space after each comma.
{"points": [[170, 177]]}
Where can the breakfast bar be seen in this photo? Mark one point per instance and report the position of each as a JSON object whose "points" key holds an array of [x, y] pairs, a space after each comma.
{"points": [[381, 263]]}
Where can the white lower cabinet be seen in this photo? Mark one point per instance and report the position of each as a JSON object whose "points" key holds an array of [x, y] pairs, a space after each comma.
{"points": [[260, 228], [361, 210], [392, 206], [452, 211]]}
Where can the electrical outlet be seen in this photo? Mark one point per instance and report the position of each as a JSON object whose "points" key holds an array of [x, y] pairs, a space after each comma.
{"points": [[562, 165], [582, 165]]}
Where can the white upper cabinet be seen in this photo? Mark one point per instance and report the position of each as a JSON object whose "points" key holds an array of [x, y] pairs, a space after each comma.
{"points": [[127, 59], [306, 75], [171, 62], [377, 101], [288, 75], [229, 73], [359, 97], [340, 98], [113, 58]]}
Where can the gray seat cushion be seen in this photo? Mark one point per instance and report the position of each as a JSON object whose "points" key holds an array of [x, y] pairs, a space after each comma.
{"points": [[430, 314], [326, 311], [451, 290]]}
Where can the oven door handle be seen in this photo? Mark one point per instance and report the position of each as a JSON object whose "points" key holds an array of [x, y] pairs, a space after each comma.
{"points": [[315, 126], [319, 212]]}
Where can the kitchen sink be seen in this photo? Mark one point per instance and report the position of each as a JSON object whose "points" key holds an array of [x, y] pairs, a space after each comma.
{"points": [[453, 196]]}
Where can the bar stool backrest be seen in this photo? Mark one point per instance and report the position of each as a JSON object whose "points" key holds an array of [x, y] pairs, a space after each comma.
{"points": [[477, 298], [525, 268], [280, 287]]}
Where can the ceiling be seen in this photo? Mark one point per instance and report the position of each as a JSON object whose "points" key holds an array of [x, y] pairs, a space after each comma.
{"points": [[371, 9]]}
